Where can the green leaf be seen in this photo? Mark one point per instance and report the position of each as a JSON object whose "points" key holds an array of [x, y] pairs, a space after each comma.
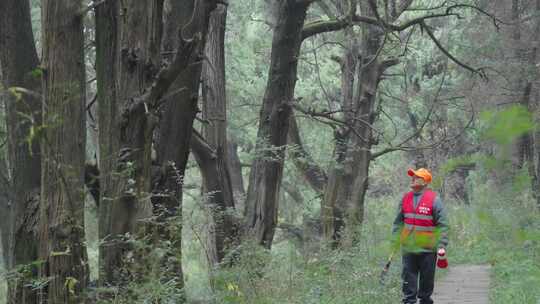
{"points": [[70, 284]]}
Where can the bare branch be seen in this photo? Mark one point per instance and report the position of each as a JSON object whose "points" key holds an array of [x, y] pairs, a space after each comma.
{"points": [[401, 146], [323, 26], [479, 71], [317, 27], [333, 122], [496, 20], [427, 147]]}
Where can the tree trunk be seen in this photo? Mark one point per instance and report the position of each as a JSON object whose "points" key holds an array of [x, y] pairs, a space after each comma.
{"points": [[5, 206], [523, 148], [528, 144], [343, 205], [332, 213], [217, 186], [266, 173], [536, 115], [189, 18], [18, 64], [126, 149], [62, 246], [533, 104], [141, 81], [108, 116], [223, 228], [369, 76]]}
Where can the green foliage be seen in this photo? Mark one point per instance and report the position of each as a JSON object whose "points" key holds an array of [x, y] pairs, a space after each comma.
{"points": [[506, 125], [37, 73]]}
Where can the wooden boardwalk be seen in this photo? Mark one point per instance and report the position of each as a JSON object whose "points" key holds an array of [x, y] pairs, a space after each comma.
{"points": [[464, 284]]}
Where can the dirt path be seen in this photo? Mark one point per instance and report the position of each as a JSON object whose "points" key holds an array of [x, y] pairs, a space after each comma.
{"points": [[464, 284]]}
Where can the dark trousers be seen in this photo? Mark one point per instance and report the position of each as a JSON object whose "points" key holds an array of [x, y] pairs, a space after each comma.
{"points": [[418, 277]]}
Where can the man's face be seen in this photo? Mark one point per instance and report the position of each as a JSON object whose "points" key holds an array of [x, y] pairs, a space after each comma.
{"points": [[417, 183]]}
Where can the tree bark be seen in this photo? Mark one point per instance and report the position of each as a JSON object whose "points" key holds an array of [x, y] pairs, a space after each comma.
{"points": [[266, 173], [532, 141], [223, 228], [523, 148], [129, 58], [369, 76], [108, 115], [131, 112], [332, 213], [18, 65], [62, 246], [188, 18], [528, 144], [217, 187], [5, 206], [536, 115], [343, 206]]}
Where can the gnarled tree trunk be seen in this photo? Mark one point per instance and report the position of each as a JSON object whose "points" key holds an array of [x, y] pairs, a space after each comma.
{"points": [[131, 57]]}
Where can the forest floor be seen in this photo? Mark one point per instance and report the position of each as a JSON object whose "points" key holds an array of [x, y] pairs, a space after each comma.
{"points": [[464, 284]]}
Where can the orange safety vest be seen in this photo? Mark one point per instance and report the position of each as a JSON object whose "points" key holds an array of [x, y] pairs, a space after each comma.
{"points": [[419, 225]]}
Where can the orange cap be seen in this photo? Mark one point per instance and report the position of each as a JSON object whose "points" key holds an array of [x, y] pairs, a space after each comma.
{"points": [[422, 173]]}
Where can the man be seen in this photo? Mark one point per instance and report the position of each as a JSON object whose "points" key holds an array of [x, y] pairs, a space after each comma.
{"points": [[421, 228]]}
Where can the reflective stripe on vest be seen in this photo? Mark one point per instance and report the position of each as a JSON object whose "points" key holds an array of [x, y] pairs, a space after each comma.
{"points": [[419, 223], [419, 228], [418, 216]]}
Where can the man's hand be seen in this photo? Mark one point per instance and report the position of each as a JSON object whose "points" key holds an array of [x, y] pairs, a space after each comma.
{"points": [[441, 252]]}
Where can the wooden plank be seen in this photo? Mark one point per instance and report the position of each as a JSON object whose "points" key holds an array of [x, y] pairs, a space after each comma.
{"points": [[464, 284]]}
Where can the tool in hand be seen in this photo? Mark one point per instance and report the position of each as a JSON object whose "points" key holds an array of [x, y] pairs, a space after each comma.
{"points": [[386, 268]]}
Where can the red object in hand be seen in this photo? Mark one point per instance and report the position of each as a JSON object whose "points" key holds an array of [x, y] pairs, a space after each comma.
{"points": [[442, 262]]}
